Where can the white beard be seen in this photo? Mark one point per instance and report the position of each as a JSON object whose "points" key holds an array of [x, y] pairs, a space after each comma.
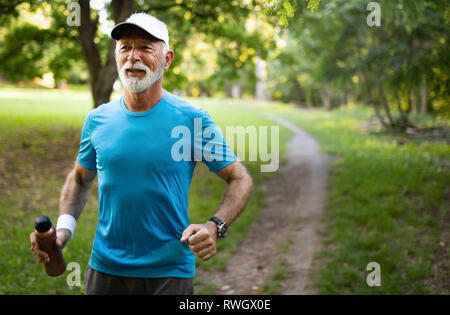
{"points": [[137, 85]]}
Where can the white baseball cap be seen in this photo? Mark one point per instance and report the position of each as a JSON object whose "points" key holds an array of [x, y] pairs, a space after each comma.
{"points": [[146, 22]]}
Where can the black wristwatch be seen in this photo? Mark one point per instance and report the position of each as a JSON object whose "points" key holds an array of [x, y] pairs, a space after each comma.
{"points": [[221, 227]]}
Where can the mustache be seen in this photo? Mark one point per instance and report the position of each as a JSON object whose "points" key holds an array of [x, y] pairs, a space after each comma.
{"points": [[135, 66]]}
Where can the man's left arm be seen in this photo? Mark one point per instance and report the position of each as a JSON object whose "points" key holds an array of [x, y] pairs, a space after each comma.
{"points": [[202, 237]]}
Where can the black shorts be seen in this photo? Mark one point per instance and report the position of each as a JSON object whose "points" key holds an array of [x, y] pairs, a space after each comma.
{"points": [[97, 282]]}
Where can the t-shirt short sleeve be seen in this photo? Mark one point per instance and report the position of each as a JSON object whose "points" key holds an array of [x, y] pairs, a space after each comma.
{"points": [[210, 144], [87, 156]]}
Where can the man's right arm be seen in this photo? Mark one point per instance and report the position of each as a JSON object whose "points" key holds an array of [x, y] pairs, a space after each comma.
{"points": [[74, 195], [75, 191]]}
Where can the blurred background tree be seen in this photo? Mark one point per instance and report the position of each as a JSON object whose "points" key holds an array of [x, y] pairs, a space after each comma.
{"points": [[331, 57]]}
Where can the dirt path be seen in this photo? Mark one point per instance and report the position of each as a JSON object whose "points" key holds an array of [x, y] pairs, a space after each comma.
{"points": [[287, 229]]}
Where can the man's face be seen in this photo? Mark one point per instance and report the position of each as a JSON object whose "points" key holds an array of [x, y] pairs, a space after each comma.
{"points": [[141, 60]]}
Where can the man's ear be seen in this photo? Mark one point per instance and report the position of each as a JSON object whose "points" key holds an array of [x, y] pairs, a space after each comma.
{"points": [[169, 58]]}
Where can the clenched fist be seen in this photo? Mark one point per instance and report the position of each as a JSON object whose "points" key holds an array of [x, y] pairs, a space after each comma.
{"points": [[201, 239]]}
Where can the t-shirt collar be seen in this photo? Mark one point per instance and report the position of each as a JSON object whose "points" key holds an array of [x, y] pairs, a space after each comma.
{"points": [[147, 112]]}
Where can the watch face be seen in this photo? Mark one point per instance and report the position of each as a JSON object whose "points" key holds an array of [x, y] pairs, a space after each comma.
{"points": [[221, 230], [221, 227]]}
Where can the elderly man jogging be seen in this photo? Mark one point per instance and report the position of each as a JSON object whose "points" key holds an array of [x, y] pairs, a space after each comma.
{"points": [[144, 243]]}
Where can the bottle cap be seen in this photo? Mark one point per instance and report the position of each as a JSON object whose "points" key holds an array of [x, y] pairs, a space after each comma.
{"points": [[43, 223]]}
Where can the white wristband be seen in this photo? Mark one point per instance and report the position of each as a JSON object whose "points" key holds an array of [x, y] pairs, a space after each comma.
{"points": [[67, 221]]}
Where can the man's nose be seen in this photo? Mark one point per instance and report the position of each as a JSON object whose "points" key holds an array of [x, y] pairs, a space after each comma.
{"points": [[134, 55]]}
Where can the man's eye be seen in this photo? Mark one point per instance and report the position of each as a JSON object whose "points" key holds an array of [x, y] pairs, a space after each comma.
{"points": [[124, 47]]}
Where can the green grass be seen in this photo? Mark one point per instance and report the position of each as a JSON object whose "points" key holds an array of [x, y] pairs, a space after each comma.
{"points": [[387, 202], [39, 138], [279, 273]]}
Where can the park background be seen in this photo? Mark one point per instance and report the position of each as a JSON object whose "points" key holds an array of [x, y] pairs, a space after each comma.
{"points": [[375, 97]]}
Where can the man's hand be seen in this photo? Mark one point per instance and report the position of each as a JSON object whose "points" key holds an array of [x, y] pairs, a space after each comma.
{"points": [[201, 239], [62, 237]]}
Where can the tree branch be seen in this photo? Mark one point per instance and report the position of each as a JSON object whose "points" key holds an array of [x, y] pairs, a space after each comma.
{"points": [[121, 9]]}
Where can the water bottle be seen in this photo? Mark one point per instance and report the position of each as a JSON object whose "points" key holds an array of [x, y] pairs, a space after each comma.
{"points": [[46, 237]]}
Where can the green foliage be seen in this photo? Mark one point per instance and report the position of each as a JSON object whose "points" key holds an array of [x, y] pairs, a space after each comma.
{"points": [[284, 12], [55, 49], [333, 52], [66, 60], [288, 7], [231, 67], [285, 9], [23, 46], [313, 4], [8, 9]]}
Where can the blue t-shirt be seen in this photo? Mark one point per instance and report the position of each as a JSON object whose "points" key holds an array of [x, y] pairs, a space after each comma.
{"points": [[145, 162]]}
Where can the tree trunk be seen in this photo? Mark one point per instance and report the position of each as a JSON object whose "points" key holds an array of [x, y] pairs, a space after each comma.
{"points": [[385, 104], [343, 99], [236, 91], [376, 106], [101, 75], [403, 114], [424, 96], [414, 101], [325, 97], [309, 96]]}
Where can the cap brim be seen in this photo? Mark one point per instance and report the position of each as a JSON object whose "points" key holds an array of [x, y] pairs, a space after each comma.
{"points": [[119, 28]]}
